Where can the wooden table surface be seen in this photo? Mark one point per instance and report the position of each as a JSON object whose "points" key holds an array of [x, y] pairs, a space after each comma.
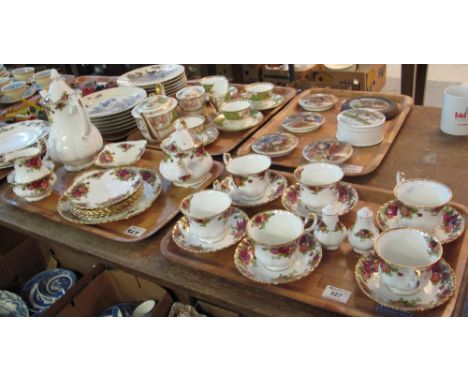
{"points": [[420, 150]]}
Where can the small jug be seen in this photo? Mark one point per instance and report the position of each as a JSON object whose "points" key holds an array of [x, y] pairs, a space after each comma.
{"points": [[330, 231], [361, 236]]}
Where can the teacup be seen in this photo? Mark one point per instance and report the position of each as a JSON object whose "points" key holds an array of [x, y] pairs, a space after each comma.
{"points": [[259, 91], [406, 258], [248, 174], [191, 98], [276, 235], [421, 202], [207, 212], [208, 82], [144, 309], [14, 90], [318, 183], [454, 117], [3, 82], [195, 123], [24, 74], [28, 166], [43, 78], [236, 110]]}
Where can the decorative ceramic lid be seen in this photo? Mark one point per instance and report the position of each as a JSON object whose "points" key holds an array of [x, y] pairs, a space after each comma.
{"points": [[330, 210], [365, 213], [361, 118], [157, 104]]}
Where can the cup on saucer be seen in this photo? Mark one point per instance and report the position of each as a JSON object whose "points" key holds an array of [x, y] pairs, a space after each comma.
{"points": [[194, 123], [236, 112], [191, 99], [207, 212], [275, 235], [24, 74], [14, 90], [318, 182]]}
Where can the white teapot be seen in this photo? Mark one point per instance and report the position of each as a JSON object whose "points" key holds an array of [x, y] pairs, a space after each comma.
{"points": [[73, 139], [186, 162]]}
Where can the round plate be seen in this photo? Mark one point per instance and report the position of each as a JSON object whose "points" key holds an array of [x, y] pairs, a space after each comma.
{"points": [[436, 292], [277, 183], [346, 199], [112, 101], [327, 150], [124, 309], [268, 104], [150, 75], [345, 67], [237, 223], [30, 90], [318, 102], [21, 135], [152, 187], [450, 229], [275, 145], [210, 135], [306, 259], [386, 106], [12, 305], [222, 124], [303, 122]]}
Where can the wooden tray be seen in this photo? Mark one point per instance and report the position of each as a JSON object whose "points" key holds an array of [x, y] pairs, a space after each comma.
{"points": [[336, 267], [364, 159], [165, 207], [228, 141]]}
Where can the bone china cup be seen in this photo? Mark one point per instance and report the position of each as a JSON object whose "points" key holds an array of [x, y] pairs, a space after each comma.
{"points": [[422, 201], [191, 98], [207, 214], [208, 82], [236, 110], [23, 74], [260, 91], [318, 183], [275, 235], [43, 78], [248, 174], [406, 258], [14, 90], [195, 123]]}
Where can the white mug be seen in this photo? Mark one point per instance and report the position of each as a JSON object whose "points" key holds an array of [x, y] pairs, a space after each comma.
{"points": [[454, 118]]}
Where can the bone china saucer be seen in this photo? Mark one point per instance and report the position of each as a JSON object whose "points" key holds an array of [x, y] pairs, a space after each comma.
{"points": [[438, 290], [276, 185], [275, 145], [183, 238], [267, 104], [306, 259], [450, 228], [346, 199], [253, 120]]}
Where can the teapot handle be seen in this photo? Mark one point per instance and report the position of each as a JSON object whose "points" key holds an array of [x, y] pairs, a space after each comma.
{"points": [[311, 218], [226, 158], [88, 120], [400, 177]]}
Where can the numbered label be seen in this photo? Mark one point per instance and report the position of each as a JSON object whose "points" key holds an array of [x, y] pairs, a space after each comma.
{"points": [[351, 168], [135, 231], [336, 294]]}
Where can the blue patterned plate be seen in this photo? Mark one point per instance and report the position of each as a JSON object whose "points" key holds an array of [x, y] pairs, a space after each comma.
{"points": [[12, 305], [124, 309]]}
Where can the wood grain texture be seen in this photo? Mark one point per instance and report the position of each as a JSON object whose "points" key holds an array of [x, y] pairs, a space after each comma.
{"points": [[367, 157], [165, 207], [336, 267], [228, 141]]}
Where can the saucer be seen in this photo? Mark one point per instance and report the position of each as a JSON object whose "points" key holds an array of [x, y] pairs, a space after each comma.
{"points": [[436, 292], [303, 122], [347, 200], [254, 119], [318, 102], [328, 151], [450, 229], [30, 90], [306, 259], [12, 305], [276, 185], [267, 104], [237, 222], [275, 145], [124, 309], [210, 135]]}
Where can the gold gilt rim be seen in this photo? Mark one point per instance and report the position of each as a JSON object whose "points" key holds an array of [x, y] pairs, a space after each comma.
{"points": [[239, 265], [405, 309]]}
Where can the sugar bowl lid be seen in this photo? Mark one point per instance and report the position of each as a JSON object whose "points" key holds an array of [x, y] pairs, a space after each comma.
{"points": [[180, 140], [157, 104]]}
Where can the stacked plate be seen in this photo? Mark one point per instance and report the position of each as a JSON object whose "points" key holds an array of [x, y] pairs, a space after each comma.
{"points": [[172, 76], [111, 110], [21, 135], [3, 71], [105, 196]]}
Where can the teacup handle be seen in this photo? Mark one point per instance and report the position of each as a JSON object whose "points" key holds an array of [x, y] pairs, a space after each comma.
{"points": [[400, 177], [217, 185], [312, 217], [227, 158]]}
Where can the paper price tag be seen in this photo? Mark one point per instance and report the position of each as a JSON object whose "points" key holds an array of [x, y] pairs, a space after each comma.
{"points": [[336, 294], [135, 231], [351, 168]]}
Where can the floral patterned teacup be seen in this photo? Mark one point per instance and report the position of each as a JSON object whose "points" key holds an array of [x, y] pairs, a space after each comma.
{"points": [[207, 212], [191, 98], [28, 166], [195, 124], [248, 174], [276, 235], [318, 183], [406, 258], [421, 202]]}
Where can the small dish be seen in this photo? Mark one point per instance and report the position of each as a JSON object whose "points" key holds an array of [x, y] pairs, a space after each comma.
{"points": [[327, 150], [12, 305], [120, 154], [346, 199], [227, 125], [306, 258], [184, 239], [30, 90], [303, 122], [386, 106], [277, 183], [451, 227], [360, 127], [210, 135], [439, 289], [318, 102], [275, 145]]}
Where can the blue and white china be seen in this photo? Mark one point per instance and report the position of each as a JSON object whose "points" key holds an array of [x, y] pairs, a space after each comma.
{"points": [[12, 305], [124, 309]]}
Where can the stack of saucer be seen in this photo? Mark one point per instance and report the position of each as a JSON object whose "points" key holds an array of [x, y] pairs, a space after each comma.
{"points": [[104, 196], [171, 76], [110, 110]]}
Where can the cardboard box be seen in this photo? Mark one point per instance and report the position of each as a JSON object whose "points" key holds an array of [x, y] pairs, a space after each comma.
{"points": [[109, 287], [280, 75], [367, 77]]}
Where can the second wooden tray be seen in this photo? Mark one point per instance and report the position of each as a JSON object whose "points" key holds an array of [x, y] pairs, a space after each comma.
{"points": [[164, 208], [364, 159]]}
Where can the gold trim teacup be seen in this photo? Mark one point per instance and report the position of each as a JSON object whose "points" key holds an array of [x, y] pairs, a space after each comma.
{"points": [[406, 257], [276, 235], [191, 98], [207, 212], [14, 90], [194, 123], [259, 91], [236, 109]]}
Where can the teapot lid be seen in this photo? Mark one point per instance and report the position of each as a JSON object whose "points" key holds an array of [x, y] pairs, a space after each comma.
{"points": [[180, 140], [330, 210], [157, 103], [365, 212]]}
